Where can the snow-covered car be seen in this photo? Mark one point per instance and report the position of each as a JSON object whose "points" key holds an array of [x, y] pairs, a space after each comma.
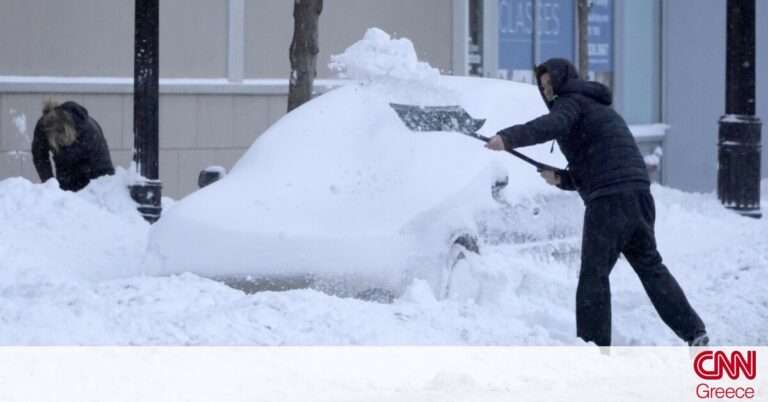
{"points": [[340, 195]]}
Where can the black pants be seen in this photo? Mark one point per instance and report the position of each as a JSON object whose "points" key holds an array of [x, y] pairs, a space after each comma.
{"points": [[623, 223]]}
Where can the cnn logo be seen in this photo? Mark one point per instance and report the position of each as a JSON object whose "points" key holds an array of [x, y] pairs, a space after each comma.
{"points": [[711, 365]]}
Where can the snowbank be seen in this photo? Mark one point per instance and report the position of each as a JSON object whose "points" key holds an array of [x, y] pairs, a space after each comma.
{"points": [[49, 234], [69, 274], [63, 258]]}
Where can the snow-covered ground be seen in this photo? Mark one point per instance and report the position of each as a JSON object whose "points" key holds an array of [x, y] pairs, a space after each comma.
{"points": [[70, 273], [73, 270]]}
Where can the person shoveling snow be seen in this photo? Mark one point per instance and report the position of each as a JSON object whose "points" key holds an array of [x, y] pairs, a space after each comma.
{"points": [[607, 169]]}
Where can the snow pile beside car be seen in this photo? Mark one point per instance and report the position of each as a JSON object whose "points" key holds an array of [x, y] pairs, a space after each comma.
{"points": [[49, 234]]}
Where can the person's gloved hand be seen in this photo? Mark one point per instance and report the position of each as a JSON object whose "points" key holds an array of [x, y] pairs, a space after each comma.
{"points": [[551, 177], [496, 143]]}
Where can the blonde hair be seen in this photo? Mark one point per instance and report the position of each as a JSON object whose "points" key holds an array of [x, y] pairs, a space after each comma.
{"points": [[58, 126]]}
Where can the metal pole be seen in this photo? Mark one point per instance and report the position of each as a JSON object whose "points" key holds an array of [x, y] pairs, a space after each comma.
{"points": [[738, 178], [147, 191], [536, 36], [582, 32]]}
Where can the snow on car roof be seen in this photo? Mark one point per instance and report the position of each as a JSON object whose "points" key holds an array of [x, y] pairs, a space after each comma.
{"points": [[347, 155]]}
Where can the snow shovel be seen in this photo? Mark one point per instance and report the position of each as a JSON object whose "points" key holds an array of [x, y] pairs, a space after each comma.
{"points": [[453, 119]]}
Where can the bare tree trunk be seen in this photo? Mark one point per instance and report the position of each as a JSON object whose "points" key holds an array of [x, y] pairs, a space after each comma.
{"points": [[583, 14], [304, 49]]}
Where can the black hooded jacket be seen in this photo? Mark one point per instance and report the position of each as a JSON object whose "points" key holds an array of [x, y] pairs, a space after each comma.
{"points": [[603, 157], [76, 164]]}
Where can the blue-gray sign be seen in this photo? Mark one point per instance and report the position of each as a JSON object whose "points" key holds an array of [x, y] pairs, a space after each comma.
{"points": [[557, 33], [556, 27], [600, 36]]}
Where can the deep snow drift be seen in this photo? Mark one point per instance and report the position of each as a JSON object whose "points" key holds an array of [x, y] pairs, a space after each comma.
{"points": [[48, 234], [72, 270]]}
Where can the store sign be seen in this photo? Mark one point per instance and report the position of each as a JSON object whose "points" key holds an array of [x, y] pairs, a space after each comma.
{"points": [[557, 30], [556, 27], [600, 31]]}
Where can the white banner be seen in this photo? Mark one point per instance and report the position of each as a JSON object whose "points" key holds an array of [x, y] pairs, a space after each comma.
{"points": [[381, 374]]}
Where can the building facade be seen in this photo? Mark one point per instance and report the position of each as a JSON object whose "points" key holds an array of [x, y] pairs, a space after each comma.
{"points": [[224, 65]]}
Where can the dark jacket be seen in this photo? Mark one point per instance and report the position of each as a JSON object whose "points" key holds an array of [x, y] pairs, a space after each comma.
{"points": [[603, 157], [76, 164]]}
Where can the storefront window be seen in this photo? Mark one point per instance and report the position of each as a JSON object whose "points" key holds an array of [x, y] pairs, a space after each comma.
{"points": [[520, 49], [516, 35], [600, 41], [640, 58]]}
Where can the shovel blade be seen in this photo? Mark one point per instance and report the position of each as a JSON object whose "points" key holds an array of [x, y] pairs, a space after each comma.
{"points": [[437, 118]]}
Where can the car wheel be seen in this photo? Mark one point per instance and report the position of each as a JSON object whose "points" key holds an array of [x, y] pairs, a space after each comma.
{"points": [[459, 280]]}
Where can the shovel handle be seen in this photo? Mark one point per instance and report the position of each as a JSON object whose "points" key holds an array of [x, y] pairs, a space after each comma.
{"points": [[539, 166]]}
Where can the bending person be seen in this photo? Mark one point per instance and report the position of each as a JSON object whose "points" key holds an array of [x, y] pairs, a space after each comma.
{"points": [[76, 142]]}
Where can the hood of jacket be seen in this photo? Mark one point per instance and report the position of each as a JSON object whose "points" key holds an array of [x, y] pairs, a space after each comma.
{"points": [[77, 111], [565, 80]]}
